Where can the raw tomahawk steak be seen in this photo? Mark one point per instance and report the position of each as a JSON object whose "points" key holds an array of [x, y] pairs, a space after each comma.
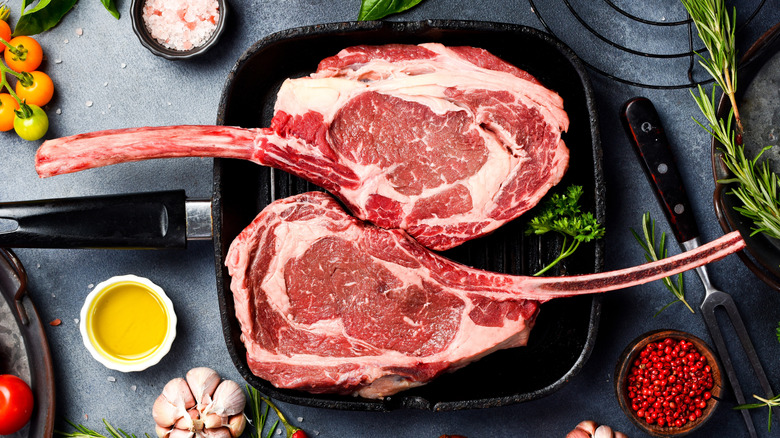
{"points": [[447, 143], [330, 304]]}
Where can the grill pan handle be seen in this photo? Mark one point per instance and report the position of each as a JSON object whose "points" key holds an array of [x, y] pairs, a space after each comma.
{"points": [[137, 221]]}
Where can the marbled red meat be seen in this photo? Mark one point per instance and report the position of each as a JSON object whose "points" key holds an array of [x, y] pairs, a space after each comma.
{"points": [[447, 143], [330, 304]]}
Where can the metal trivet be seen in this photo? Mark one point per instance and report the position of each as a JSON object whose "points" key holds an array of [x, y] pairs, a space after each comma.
{"points": [[681, 57]]}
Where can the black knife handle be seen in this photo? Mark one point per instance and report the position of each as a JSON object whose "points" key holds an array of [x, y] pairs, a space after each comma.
{"points": [[645, 131], [138, 221]]}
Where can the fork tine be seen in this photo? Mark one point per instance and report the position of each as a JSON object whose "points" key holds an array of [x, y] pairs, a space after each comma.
{"points": [[712, 301], [747, 344]]}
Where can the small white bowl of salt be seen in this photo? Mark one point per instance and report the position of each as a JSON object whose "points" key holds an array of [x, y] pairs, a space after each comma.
{"points": [[178, 29]]}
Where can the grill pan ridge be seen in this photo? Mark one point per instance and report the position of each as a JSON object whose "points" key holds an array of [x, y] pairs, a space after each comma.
{"points": [[565, 330]]}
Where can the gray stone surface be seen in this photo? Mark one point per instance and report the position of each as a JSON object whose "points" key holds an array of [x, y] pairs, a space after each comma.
{"points": [[106, 79]]}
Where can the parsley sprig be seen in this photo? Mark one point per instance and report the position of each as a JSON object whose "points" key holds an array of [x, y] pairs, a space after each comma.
{"points": [[562, 214], [656, 250]]}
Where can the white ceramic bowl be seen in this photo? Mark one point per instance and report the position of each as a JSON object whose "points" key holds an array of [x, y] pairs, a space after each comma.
{"points": [[116, 362]]}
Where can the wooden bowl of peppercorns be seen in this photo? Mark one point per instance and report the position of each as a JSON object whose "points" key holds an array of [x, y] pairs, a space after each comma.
{"points": [[668, 383]]}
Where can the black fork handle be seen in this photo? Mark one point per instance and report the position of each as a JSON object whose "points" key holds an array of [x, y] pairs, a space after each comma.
{"points": [[646, 132]]}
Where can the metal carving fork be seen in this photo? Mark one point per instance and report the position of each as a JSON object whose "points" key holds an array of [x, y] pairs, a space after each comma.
{"points": [[646, 133]]}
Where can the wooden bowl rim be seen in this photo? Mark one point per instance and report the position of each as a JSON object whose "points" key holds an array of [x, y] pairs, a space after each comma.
{"points": [[629, 355]]}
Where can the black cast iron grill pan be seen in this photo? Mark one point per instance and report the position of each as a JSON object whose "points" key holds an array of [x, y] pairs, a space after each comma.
{"points": [[565, 331]]}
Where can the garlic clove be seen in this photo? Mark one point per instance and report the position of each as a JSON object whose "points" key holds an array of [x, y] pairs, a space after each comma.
{"points": [[588, 426], [178, 393], [620, 435], [203, 381], [161, 431], [213, 421], [181, 433], [603, 432], [164, 413], [578, 433], [221, 432], [190, 421], [237, 424], [228, 399]]}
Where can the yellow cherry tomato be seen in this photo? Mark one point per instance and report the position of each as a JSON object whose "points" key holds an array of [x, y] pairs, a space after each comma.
{"points": [[39, 91], [32, 125], [25, 54], [7, 106]]}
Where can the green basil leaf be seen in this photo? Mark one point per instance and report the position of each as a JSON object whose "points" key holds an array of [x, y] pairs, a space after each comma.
{"points": [[376, 9], [45, 15], [111, 7]]}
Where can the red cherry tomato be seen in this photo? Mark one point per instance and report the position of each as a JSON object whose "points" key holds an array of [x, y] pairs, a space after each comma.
{"points": [[7, 107], [26, 54], [16, 404], [40, 90]]}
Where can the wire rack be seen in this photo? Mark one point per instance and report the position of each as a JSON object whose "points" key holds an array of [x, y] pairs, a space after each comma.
{"points": [[624, 40]]}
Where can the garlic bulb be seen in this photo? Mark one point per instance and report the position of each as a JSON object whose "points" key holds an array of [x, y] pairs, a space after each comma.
{"points": [[589, 429], [200, 406]]}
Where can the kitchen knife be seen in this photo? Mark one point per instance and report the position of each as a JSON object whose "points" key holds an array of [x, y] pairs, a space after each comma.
{"points": [[644, 128], [139, 221]]}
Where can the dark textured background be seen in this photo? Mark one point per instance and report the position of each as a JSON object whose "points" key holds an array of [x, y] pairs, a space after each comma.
{"points": [[128, 86]]}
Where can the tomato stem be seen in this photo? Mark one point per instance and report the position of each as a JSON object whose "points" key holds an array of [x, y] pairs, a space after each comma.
{"points": [[6, 43], [18, 75], [4, 82], [19, 51], [24, 111], [25, 78]]}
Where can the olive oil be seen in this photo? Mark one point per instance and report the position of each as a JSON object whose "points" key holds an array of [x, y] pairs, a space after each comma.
{"points": [[128, 321]]}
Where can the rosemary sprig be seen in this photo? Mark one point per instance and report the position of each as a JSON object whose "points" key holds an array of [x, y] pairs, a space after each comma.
{"points": [[778, 332], [259, 415], [85, 432], [770, 403], [655, 251], [757, 185], [716, 31], [256, 400]]}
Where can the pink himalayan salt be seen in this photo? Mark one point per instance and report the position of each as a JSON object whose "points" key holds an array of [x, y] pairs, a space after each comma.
{"points": [[181, 24]]}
